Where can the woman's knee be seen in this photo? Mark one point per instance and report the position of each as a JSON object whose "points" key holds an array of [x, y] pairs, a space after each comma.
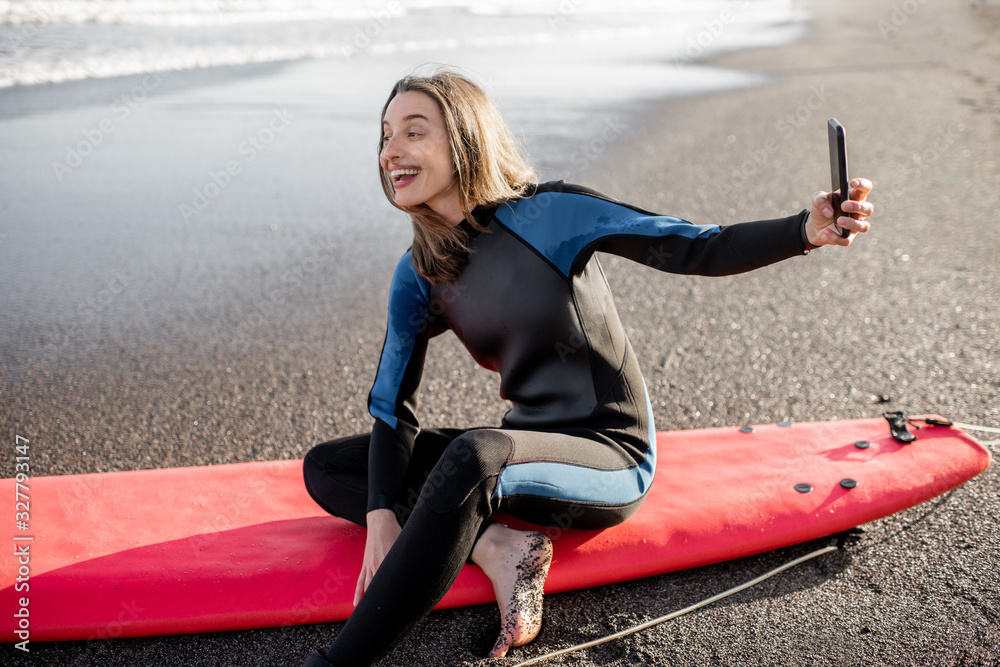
{"points": [[348, 455], [471, 460], [335, 475]]}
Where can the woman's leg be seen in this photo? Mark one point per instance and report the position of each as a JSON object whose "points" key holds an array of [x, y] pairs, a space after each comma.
{"points": [[431, 550], [336, 476], [574, 479], [336, 473], [457, 497]]}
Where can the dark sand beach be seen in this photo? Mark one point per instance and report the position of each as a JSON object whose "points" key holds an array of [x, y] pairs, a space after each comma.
{"points": [[907, 319]]}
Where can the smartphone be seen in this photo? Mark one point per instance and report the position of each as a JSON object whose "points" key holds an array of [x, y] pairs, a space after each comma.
{"points": [[838, 167]]}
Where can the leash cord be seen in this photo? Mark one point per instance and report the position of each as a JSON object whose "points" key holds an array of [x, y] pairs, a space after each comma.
{"points": [[673, 615]]}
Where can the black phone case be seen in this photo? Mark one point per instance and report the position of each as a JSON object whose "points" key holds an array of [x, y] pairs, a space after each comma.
{"points": [[838, 165]]}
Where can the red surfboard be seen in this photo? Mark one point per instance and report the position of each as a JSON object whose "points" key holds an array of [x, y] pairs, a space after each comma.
{"points": [[240, 546]]}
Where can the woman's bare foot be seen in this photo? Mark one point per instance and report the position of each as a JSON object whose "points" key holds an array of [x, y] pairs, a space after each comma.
{"points": [[517, 563]]}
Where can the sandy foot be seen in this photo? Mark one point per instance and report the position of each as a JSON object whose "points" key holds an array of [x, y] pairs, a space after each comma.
{"points": [[517, 563]]}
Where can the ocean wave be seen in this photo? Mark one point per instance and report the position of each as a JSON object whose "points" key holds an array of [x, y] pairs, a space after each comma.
{"points": [[50, 41], [194, 13]]}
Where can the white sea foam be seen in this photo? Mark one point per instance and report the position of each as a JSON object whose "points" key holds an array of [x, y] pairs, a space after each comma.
{"points": [[45, 41]]}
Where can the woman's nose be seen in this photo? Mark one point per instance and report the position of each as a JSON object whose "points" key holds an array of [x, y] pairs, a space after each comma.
{"points": [[389, 149]]}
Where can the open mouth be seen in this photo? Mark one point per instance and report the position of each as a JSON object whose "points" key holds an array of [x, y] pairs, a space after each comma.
{"points": [[403, 177]]}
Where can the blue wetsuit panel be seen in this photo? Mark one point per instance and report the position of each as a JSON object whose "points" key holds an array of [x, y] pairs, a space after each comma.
{"points": [[580, 484], [408, 310], [560, 225]]}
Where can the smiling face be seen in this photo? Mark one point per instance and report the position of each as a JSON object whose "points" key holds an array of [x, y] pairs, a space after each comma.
{"points": [[416, 155]]}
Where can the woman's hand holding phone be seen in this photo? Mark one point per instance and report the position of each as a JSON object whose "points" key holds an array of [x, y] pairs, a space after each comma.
{"points": [[834, 219], [824, 227]]}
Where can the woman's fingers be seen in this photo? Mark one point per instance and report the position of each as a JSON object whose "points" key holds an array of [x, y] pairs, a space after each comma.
{"points": [[822, 204], [858, 226], [859, 208], [859, 188], [359, 590]]}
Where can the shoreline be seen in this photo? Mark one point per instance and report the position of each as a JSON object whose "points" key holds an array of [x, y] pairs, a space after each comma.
{"points": [[918, 322]]}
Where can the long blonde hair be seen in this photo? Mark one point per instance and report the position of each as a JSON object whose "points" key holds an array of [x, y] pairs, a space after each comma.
{"points": [[489, 163]]}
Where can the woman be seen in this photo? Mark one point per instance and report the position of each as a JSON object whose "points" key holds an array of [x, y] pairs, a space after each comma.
{"points": [[509, 266]]}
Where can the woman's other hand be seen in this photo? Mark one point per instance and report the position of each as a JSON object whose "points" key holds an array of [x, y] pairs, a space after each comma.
{"points": [[383, 529]]}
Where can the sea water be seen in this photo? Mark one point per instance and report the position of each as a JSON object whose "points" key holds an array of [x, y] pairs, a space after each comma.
{"points": [[171, 165], [44, 41]]}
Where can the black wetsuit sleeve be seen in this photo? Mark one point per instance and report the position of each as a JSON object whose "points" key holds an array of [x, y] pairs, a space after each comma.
{"points": [[729, 250], [567, 223], [393, 397]]}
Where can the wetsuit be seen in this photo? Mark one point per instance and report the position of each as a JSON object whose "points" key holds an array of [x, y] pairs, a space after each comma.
{"points": [[577, 447]]}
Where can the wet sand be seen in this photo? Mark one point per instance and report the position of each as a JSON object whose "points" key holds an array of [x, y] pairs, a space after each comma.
{"points": [[910, 313]]}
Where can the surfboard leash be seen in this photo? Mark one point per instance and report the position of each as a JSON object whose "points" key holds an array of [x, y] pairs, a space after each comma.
{"points": [[673, 615], [898, 422], [984, 429], [724, 594]]}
